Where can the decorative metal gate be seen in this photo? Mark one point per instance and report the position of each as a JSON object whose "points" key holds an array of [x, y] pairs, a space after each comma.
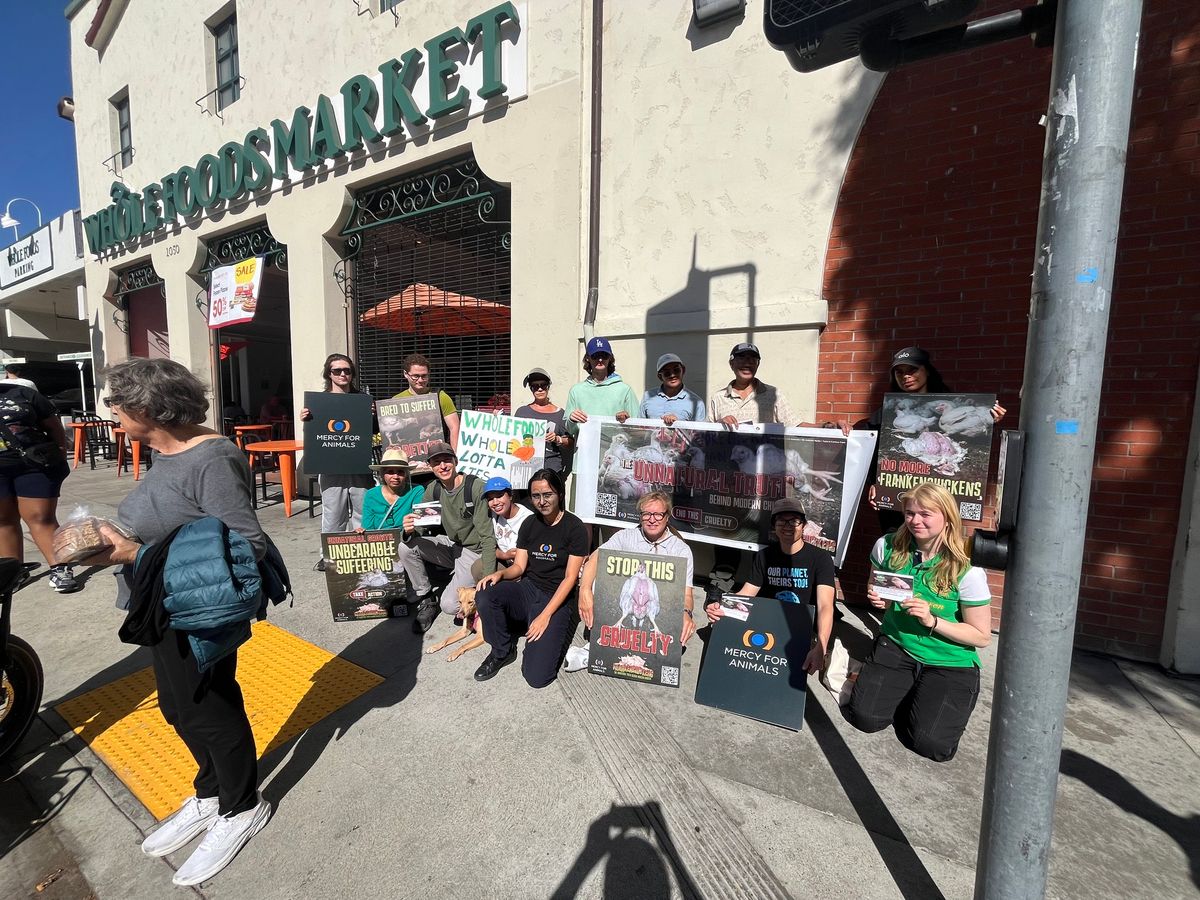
{"points": [[427, 270]]}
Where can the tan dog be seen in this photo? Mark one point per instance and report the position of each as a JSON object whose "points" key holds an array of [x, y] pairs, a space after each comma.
{"points": [[471, 623]]}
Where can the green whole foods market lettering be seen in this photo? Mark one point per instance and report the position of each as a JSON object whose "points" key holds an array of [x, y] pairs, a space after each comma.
{"points": [[310, 137]]}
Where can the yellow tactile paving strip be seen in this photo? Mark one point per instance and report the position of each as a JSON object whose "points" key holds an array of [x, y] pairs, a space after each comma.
{"points": [[289, 685]]}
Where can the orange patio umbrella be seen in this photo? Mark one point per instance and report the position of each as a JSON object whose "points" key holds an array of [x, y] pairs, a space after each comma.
{"points": [[425, 309]]}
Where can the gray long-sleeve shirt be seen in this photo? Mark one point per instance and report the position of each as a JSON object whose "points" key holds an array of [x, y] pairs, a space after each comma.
{"points": [[210, 478]]}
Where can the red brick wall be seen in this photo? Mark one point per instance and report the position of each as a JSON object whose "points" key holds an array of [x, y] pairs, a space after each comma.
{"points": [[933, 243]]}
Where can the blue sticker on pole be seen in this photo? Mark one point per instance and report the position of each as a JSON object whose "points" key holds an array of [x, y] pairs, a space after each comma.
{"points": [[1066, 426], [1088, 275]]}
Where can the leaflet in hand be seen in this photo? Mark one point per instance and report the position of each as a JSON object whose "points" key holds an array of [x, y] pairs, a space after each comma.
{"points": [[890, 586], [735, 606], [429, 515]]}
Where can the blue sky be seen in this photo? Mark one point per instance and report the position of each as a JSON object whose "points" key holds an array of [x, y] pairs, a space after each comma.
{"points": [[37, 148]]}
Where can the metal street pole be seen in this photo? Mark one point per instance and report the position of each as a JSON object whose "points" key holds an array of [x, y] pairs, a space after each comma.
{"points": [[1087, 137]]}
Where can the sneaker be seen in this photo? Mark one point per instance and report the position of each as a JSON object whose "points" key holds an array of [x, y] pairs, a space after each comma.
{"points": [[194, 817], [226, 836], [493, 664], [427, 611], [62, 579], [576, 659]]}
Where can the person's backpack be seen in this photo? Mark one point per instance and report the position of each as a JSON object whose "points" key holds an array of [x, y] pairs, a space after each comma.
{"points": [[30, 442], [469, 482]]}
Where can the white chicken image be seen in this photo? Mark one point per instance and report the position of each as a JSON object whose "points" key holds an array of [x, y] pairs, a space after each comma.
{"points": [[639, 600], [772, 460]]}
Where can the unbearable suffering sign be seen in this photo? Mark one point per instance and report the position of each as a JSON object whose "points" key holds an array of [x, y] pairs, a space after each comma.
{"points": [[457, 74]]}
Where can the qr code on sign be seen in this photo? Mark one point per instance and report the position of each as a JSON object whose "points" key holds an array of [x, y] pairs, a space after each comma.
{"points": [[972, 512], [670, 675], [606, 504]]}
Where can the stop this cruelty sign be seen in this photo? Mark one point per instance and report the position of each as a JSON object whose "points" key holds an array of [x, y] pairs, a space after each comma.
{"points": [[638, 617]]}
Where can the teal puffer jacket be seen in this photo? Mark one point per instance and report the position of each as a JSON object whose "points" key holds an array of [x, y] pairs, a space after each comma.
{"points": [[212, 588]]}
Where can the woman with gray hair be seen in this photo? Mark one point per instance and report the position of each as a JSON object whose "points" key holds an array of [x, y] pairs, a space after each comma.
{"points": [[197, 473]]}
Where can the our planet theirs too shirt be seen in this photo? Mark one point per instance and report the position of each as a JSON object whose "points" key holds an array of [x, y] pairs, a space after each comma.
{"points": [[792, 577]]}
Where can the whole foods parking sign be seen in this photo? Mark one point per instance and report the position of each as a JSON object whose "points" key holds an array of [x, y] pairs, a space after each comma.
{"points": [[30, 256]]}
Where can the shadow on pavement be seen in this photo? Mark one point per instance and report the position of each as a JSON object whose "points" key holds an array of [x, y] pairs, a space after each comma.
{"points": [[634, 868], [1116, 788], [389, 649], [908, 872], [104, 718]]}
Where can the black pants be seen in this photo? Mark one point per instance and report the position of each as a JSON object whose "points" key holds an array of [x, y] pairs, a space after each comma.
{"points": [[929, 705], [507, 609], [208, 714]]}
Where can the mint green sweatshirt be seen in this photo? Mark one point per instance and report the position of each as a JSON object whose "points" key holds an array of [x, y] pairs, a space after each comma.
{"points": [[603, 398]]}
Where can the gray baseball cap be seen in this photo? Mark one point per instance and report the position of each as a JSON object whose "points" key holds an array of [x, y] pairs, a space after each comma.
{"points": [[666, 359]]}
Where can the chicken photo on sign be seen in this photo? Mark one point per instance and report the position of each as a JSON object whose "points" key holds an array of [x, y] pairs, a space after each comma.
{"points": [[638, 617], [941, 438]]}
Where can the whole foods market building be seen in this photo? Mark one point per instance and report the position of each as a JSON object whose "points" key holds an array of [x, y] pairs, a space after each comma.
{"points": [[426, 180]]}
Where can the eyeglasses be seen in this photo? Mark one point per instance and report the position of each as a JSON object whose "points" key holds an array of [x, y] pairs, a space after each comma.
{"points": [[789, 521], [653, 516], [543, 498], [413, 376], [539, 386], [341, 371]]}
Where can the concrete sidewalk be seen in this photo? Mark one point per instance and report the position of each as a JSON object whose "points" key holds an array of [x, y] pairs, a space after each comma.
{"points": [[433, 785]]}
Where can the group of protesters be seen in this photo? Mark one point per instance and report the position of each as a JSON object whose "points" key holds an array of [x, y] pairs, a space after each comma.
{"points": [[533, 562], [533, 567]]}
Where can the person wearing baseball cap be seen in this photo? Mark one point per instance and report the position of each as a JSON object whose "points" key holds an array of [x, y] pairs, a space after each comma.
{"points": [[386, 504], [468, 537], [746, 400], [672, 401], [602, 393], [506, 515], [558, 441], [912, 372], [794, 572]]}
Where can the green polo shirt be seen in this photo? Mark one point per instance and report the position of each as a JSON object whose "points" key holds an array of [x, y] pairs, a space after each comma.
{"points": [[908, 633]]}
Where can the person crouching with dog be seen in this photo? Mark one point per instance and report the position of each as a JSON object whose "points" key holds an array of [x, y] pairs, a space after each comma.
{"points": [[533, 592]]}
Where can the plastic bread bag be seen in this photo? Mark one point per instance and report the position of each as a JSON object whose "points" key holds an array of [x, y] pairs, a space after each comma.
{"points": [[79, 536]]}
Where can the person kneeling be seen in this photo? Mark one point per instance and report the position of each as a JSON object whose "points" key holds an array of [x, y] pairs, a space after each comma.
{"points": [[551, 547], [923, 674]]}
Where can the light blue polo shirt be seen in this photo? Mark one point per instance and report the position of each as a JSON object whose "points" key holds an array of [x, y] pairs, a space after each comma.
{"points": [[684, 406]]}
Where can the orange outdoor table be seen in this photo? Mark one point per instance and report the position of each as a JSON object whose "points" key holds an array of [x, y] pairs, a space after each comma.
{"points": [[286, 451], [240, 431], [135, 448], [80, 439]]}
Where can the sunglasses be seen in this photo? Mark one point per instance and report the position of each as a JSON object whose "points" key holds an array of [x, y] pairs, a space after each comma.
{"points": [[341, 371], [600, 357], [538, 386], [670, 371]]}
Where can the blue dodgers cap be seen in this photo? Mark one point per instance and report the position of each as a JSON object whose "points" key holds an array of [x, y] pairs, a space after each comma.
{"points": [[497, 484], [599, 345]]}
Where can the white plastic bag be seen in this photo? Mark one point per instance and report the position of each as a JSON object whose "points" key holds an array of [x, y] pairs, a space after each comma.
{"points": [[839, 672], [79, 537]]}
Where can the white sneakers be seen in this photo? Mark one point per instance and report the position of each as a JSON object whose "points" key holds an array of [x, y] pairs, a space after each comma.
{"points": [[226, 836], [194, 817], [577, 658]]}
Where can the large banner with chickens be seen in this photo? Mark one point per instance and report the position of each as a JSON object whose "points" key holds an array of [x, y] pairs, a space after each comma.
{"points": [[942, 438], [363, 575], [491, 444], [638, 617], [724, 481]]}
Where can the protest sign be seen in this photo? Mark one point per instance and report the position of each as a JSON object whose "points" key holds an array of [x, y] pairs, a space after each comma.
{"points": [[723, 482], [363, 575], [752, 666], [233, 292], [638, 616], [338, 437], [945, 439], [491, 444], [412, 424]]}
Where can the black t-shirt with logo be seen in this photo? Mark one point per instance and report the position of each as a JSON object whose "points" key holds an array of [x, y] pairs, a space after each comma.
{"points": [[793, 577], [549, 546]]}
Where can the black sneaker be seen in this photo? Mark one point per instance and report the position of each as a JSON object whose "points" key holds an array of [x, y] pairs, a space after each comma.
{"points": [[63, 580], [427, 611], [493, 664]]}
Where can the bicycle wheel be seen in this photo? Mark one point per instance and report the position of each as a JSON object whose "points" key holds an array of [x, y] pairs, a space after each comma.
{"points": [[20, 694]]}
